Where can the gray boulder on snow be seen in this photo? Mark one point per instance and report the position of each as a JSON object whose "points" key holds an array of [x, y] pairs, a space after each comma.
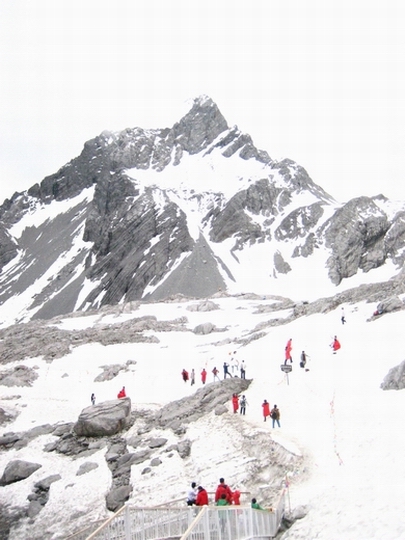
{"points": [[395, 379], [104, 419], [17, 470]]}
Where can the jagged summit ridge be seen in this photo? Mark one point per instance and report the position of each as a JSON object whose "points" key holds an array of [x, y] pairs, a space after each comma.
{"points": [[191, 209]]}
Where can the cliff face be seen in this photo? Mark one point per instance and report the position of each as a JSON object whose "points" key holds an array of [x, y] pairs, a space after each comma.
{"points": [[190, 209]]}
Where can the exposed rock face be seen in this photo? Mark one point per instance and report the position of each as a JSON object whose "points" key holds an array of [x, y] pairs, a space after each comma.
{"points": [[395, 379], [18, 470], [106, 418], [203, 401], [137, 227]]}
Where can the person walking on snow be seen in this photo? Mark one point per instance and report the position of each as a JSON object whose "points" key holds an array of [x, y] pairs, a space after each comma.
{"points": [[266, 409], [192, 377], [303, 359], [243, 402], [235, 403], [343, 318], [215, 373], [335, 345], [288, 349], [275, 415], [203, 376], [184, 374]]}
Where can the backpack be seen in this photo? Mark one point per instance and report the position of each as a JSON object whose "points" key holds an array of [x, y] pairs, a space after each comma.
{"points": [[273, 414], [243, 402]]}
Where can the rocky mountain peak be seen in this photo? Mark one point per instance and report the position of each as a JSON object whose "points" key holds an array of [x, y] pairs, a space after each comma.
{"points": [[193, 210], [200, 126]]}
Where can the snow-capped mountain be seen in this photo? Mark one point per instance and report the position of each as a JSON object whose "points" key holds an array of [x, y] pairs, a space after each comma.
{"points": [[194, 209], [106, 268]]}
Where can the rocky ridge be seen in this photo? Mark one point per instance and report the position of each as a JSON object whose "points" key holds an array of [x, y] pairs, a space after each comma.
{"points": [[125, 212]]}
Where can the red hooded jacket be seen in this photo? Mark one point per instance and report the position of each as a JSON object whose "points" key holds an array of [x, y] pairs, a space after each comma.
{"points": [[266, 409], [202, 498], [223, 488]]}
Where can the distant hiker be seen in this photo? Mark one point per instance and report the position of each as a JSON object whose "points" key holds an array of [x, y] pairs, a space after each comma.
{"points": [[288, 349], [202, 497], [93, 399], [243, 402], [223, 491], [303, 359], [184, 374], [236, 497], [226, 371], [192, 377], [275, 415], [266, 409], [192, 494], [342, 317], [203, 376], [215, 373], [234, 363], [235, 403], [335, 345], [243, 370], [121, 393], [254, 504]]}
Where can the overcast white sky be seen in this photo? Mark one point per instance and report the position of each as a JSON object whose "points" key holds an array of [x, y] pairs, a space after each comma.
{"points": [[318, 81]]}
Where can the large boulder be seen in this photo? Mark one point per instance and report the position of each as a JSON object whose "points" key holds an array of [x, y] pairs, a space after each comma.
{"points": [[18, 470], [395, 379], [104, 419]]}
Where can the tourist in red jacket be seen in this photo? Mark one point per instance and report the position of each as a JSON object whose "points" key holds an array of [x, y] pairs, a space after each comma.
{"points": [[203, 375], [223, 489], [184, 374], [235, 402], [202, 497], [121, 393], [266, 409], [335, 345]]}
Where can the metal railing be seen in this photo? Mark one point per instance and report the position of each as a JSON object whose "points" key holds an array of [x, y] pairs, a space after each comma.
{"points": [[191, 523]]}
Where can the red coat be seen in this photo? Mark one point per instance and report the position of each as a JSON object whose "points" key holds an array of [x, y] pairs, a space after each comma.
{"points": [[184, 375], [203, 376], [235, 403], [236, 497], [202, 498], [266, 409], [223, 488], [336, 345], [121, 394]]}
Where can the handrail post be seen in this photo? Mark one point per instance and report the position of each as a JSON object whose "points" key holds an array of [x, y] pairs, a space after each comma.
{"points": [[127, 522]]}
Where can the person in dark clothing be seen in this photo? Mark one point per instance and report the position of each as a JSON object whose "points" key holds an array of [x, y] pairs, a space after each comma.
{"points": [[226, 371], [93, 399], [303, 359], [242, 404], [275, 415]]}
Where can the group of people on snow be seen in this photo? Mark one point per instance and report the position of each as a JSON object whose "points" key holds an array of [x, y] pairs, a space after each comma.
{"points": [[186, 376]]}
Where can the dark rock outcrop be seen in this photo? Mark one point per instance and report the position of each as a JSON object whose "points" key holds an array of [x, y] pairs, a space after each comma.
{"points": [[17, 470]]}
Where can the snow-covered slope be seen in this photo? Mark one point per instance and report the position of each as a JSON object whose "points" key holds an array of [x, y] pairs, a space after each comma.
{"points": [[342, 432]]}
